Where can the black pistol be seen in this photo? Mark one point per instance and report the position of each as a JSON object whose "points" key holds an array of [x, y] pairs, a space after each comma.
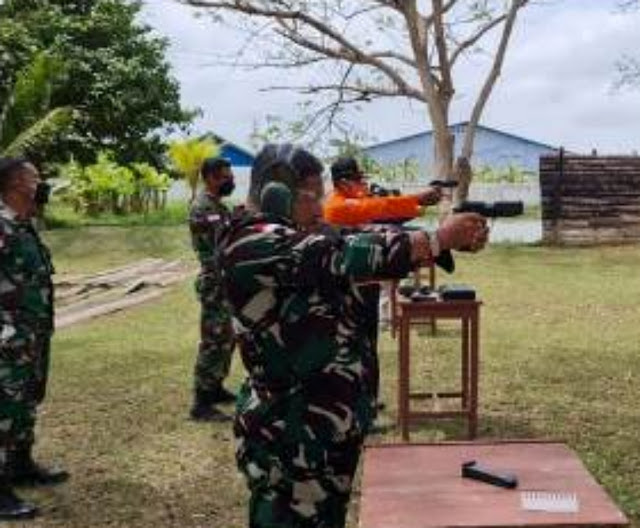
{"points": [[503, 209], [491, 209]]}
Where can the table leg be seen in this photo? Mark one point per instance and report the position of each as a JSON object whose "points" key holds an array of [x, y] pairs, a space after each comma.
{"points": [[474, 375], [404, 382], [432, 285], [393, 300], [464, 355]]}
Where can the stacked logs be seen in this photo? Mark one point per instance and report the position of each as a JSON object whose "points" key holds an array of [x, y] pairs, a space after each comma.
{"points": [[590, 199]]}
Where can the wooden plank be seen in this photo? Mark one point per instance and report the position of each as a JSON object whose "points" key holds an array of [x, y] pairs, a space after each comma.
{"points": [[113, 275], [75, 317]]}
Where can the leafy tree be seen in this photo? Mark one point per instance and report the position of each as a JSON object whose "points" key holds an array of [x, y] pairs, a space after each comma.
{"points": [[117, 76], [187, 157], [367, 49], [28, 124]]}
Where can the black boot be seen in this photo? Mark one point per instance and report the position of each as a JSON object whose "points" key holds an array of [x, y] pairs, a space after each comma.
{"points": [[222, 395], [12, 507], [203, 409], [27, 472]]}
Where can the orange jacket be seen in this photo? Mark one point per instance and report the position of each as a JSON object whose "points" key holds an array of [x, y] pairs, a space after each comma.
{"points": [[341, 209]]}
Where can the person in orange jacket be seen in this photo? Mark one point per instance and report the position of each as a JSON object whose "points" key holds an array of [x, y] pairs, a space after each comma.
{"points": [[352, 203]]}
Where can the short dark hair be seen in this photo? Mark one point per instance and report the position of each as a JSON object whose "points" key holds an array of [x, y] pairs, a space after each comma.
{"points": [[285, 163], [8, 168], [213, 165], [345, 169]]}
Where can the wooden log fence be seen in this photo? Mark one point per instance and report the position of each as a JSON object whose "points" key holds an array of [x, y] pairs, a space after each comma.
{"points": [[589, 200]]}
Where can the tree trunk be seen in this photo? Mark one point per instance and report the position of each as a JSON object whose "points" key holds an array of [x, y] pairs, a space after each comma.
{"points": [[443, 143], [443, 147], [463, 175]]}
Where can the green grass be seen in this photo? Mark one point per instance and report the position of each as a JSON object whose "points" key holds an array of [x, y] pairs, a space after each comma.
{"points": [[560, 343], [62, 216], [93, 248]]}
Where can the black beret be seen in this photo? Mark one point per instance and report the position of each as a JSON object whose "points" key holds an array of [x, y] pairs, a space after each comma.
{"points": [[214, 164], [345, 169]]}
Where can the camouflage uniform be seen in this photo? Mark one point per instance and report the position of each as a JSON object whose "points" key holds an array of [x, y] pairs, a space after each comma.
{"points": [[216, 335], [305, 408], [26, 327]]}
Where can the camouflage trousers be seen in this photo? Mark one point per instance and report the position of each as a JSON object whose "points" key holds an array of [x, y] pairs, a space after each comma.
{"points": [[369, 327], [23, 379], [215, 349], [304, 488]]}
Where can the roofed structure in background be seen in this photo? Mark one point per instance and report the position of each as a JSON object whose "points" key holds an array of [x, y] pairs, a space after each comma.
{"points": [[493, 148], [237, 155]]}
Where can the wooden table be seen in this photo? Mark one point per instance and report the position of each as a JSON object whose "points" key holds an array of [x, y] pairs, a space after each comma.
{"points": [[419, 486], [393, 296], [468, 312]]}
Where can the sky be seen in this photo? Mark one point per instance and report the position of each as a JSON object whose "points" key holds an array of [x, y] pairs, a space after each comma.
{"points": [[556, 85]]}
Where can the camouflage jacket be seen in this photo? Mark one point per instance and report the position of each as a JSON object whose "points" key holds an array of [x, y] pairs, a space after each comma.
{"points": [[206, 217], [26, 289], [296, 310]]}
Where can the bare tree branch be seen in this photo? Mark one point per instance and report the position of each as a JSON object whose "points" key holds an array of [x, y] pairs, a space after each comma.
{"points": [[429, 19], [419, 65], [347, 51], [466, 44], [492, 77], [366, 91], [445, 86], [353, 56]]}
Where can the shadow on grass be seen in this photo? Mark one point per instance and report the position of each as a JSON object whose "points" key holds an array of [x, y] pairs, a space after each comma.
{"points": [[490, 427]]}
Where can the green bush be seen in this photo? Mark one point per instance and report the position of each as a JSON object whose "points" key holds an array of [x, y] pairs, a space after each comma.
{"points": [[61, 215], [509, 174], [107, 187]]}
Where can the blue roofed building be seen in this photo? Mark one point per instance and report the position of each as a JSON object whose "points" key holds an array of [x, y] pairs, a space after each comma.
{"points": [[492, 148], [237, 155]]}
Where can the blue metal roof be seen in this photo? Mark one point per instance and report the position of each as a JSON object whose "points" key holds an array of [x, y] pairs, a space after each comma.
{"points": [[237, 155], [457, 127]]}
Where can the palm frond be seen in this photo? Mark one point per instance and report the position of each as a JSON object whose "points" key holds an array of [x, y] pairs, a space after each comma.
{"points": [[44, 131]]}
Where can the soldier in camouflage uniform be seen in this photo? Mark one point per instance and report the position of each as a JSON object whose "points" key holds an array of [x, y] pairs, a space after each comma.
{"points": [[304, 410], [353, 205], [207, 215], [26, 326]]}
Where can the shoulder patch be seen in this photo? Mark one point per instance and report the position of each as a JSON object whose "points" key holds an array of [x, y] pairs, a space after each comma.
{"points": [[271, 228]]}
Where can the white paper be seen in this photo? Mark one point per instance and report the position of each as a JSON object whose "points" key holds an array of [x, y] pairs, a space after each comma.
{"points": [[549, 501]]}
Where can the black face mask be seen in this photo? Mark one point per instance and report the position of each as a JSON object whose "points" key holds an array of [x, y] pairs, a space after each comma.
{"points": [[227, 188], [42, 193]]}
